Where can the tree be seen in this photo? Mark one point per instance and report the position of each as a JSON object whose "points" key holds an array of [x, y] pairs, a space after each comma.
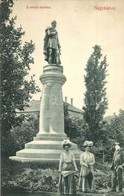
{"points": [[74, 127], [117, 128], [25, 132], [71, 124], [95, 97], [15, 65]]}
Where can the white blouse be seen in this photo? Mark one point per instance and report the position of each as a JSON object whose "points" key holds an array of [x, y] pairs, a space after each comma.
{"points": [[67, 157], [87, 158]]}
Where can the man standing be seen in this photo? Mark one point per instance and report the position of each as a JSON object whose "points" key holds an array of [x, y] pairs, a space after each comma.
{"points": [[51, 45], [117, 167]]}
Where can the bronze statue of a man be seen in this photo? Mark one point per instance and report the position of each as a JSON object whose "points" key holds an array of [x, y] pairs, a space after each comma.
{"points": [[51, 45]]}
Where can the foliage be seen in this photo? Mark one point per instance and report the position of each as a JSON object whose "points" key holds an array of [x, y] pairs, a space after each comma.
{"points": [[30, 176], [103, 148], [34, 180], [70, 125], [25, 132], [117, 128], [102, 175], [15, 65], [77, 130], [95, 97], [75, 127], [111, 133], [103, 181], [44, 176]]}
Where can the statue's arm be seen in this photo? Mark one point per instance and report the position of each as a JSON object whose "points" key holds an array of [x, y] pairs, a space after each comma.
{"points": [[49, 32]]}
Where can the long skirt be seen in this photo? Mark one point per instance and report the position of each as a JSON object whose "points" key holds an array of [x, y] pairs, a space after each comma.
{"points": [[67, 181], [86, 180]]}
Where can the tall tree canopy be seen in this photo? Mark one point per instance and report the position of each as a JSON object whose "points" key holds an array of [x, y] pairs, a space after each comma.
{"points": [[95, 96], [117, 128], [15, 65]]}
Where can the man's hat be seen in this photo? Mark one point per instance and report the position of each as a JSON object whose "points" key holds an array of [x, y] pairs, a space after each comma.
{"points": [[117, 143], [88, 143]]}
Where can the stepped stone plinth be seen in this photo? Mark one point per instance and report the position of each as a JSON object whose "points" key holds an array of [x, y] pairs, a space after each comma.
{"points": [[47, 145]]}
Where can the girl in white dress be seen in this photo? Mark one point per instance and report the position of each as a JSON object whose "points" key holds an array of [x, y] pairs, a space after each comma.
{"points": [[87, 160], [67, 168]]}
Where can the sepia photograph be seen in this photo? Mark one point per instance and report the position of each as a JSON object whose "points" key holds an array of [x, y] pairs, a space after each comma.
{"points": [[62, 97]]}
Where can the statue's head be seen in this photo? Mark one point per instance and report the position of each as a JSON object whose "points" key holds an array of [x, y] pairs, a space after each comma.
{"points": [[53, 23]]}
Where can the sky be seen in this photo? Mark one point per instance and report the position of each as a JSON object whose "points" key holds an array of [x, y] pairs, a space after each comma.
{"points": [[81, 24]]}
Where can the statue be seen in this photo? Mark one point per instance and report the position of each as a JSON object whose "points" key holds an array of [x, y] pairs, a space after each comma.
{"points": [[51, 45]]}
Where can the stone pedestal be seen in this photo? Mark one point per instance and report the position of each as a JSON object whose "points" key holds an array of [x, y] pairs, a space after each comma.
{"points": [[47, 145], [51, 109]]}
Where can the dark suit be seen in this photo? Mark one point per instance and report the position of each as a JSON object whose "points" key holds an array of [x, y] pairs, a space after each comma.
{"points": [[118, 160]]}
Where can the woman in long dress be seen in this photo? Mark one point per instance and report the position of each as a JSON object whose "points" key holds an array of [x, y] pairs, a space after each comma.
{"points": [[67, 168], [87, 160]]}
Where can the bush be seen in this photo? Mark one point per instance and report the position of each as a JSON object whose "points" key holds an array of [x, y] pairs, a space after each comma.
{"points": [[102, 176], [26, 131], [29, 176], [43, 176], [36, 180], [103, 181]]}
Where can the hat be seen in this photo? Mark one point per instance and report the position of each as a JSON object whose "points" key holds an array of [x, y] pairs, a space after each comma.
{"points": [[117, 143], [88, 143], [66, 143]]}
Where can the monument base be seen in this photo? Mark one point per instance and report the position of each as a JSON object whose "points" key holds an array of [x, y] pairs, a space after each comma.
{"points": [[47, 145], [44, 148]]}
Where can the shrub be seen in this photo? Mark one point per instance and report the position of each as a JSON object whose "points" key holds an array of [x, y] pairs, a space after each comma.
{"points": [[103, 181], [44, 176], [36, 180], [25, 132], [29, 176]]}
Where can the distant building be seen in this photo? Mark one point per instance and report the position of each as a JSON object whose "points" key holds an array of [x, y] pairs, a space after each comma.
{"points": [[73, 111], [34, 108]]}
